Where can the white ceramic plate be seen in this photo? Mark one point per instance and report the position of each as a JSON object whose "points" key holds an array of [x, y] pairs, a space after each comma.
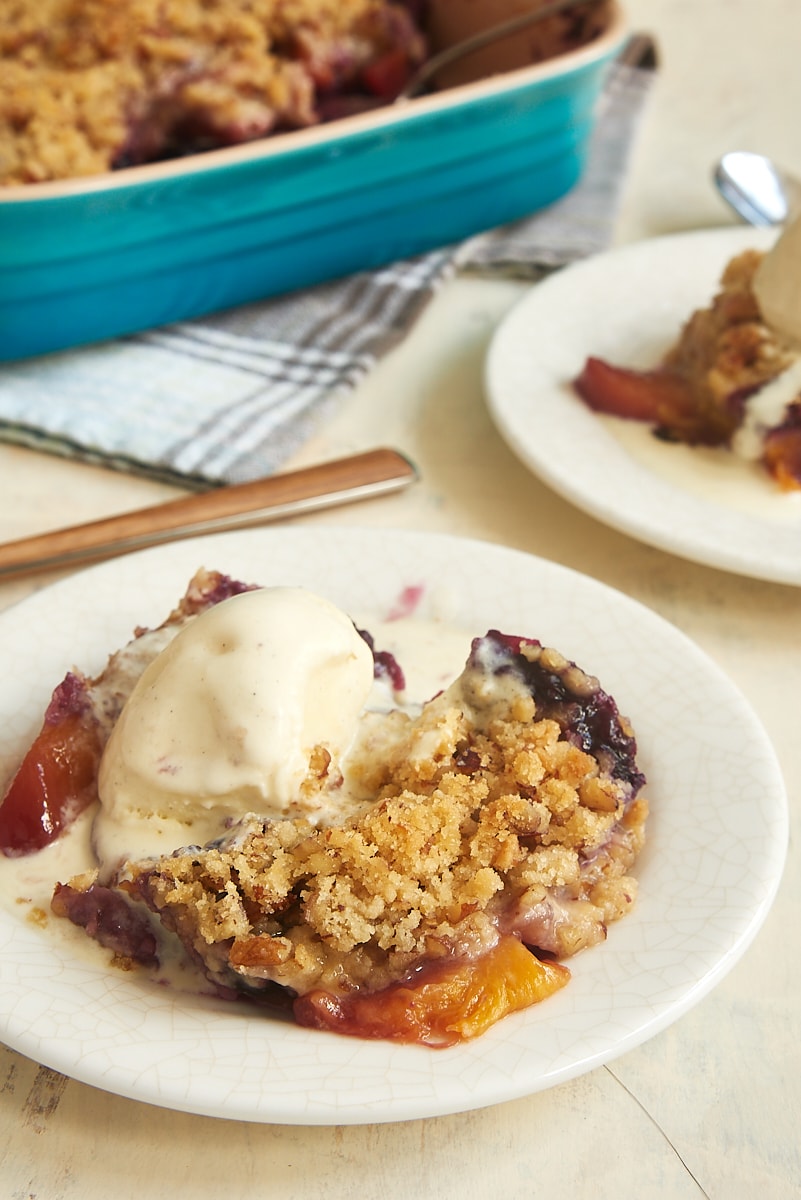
{"points": [[627, 306], [716, 846]]}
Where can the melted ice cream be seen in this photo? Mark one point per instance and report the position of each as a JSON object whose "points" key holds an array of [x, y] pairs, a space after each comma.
{"points": [[764, 411]]}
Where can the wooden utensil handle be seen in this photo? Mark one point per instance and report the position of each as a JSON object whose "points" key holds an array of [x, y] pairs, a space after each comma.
{"points": [[236, 506]]}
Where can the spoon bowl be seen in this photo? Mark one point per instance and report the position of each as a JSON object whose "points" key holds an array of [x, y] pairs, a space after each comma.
{"points": [[758, 190]]}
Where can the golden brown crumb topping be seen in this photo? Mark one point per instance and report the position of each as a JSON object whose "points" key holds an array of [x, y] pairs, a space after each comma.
{"points": [[525, 836], [727, 347], [93, 84]]}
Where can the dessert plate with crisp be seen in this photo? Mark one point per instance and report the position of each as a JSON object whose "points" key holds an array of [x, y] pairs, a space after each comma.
{"points": [[627, 307], [712, 861]]}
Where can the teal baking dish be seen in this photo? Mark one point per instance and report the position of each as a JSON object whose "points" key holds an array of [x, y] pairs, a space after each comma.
{"points": [[88, 259]]}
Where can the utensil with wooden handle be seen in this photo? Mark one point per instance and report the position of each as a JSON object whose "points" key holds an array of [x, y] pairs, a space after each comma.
{"points": [[436, 63], [340, 481]]}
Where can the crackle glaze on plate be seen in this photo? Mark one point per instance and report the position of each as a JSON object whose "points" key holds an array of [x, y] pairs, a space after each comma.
{"points": [[716, 846], [627, 306]]}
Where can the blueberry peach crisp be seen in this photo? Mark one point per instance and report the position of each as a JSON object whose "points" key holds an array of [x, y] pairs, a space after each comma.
{"points": [[493, 837]]}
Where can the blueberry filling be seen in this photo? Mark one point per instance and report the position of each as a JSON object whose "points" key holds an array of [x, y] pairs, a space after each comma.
{"points": [[588, 717]]}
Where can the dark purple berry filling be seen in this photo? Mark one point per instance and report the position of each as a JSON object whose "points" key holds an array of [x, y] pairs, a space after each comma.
{"points": [[586, 714], [109, 919], [70, 698], [385, 664]]}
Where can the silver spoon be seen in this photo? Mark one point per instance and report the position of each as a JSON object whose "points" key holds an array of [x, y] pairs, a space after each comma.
{"points": [[432, 67], [757, 189]]}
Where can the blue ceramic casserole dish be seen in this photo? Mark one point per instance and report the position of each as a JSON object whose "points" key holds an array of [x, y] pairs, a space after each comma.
{"points": [[87, 259]]}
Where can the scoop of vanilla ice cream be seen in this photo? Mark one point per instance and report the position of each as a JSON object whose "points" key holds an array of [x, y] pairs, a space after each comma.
{"points": [[224, 720]]}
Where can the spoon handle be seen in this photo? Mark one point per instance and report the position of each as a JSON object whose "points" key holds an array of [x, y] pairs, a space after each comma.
{"points": [[469, 45], [337, 482]]}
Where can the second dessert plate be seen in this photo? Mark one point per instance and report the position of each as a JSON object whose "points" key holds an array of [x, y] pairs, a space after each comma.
{"points": [[628, 306]]}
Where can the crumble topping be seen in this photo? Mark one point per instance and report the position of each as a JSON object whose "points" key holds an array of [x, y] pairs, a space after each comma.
{"points": [[487, 821], [94, 85], [727, 350]]}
